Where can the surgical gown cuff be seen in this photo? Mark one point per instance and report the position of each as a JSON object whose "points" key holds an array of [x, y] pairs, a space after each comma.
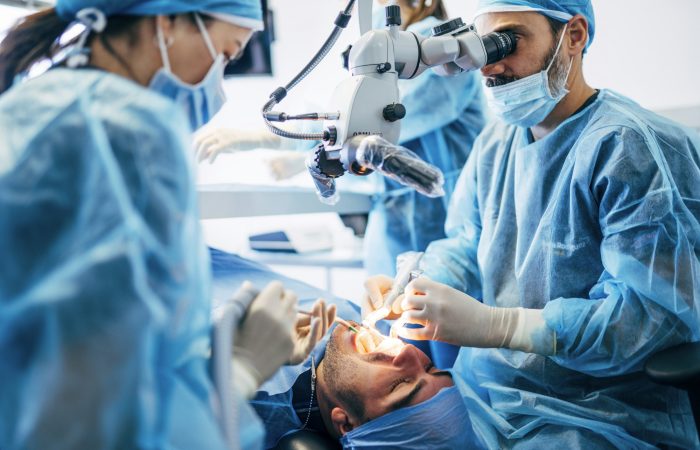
{"points": [[243, 378], [532, 334], [567, 317]]}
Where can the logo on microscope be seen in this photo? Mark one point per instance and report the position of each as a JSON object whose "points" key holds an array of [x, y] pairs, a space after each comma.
{"points": [[368, 133]]}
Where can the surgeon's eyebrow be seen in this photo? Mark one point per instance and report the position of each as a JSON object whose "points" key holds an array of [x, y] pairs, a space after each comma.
{"points": [[514, 27], [406, 400]]}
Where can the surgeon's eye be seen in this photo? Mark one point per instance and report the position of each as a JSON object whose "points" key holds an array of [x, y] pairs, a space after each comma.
{"points": [[398, 383]]}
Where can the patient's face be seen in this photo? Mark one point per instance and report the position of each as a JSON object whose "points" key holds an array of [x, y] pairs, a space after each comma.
{"points": [[391, 377]]}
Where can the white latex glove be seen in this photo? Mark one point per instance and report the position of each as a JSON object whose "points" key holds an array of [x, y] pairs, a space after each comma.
{"points": [[242, 299], [376, 288], [265, 339], [286, 164], [309, 329], [451, 316], [212, 142]]}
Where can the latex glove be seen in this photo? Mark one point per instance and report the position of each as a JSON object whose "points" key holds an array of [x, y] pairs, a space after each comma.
{"points": [[286, 164], [309, 329], [265, 339], [451, 316], [376, 288], [210, 143], [242, 299]]}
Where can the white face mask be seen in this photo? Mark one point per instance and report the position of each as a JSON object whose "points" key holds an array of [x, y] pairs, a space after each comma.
{"points": [[200, 101], [528, 101]]}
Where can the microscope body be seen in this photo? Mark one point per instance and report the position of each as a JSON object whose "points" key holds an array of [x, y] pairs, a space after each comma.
{"points": [[369, 101]]}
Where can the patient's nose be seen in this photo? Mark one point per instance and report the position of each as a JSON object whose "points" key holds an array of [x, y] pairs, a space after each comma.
{"points": [[408, 357]]}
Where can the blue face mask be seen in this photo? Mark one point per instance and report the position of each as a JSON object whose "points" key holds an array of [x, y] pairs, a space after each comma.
{"points": [[200, 101], [528, 101]]}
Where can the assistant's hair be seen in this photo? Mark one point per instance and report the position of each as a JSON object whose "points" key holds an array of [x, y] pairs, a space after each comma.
{"points": [[420, 9], [35, 38], [30, 40]]}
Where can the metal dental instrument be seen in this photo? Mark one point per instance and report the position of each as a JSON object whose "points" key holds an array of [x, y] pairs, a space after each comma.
{"points": [[407, 265], [337, 319]]}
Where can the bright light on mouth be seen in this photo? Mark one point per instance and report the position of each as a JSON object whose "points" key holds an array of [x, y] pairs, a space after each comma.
{"points": [[369, 340]]}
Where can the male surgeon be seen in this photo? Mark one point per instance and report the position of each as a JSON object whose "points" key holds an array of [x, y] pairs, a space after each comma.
{"points": [[572, 253]]}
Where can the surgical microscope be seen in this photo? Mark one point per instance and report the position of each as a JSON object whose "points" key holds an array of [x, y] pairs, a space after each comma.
{"points": [[361, 132]]}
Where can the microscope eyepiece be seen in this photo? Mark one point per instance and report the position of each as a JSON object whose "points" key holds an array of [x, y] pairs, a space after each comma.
{"points": [[498, 45]]}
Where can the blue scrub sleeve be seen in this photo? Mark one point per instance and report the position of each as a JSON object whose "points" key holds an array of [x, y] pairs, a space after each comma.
{"points": [[104, 312], [644, 300], [453, 260]]}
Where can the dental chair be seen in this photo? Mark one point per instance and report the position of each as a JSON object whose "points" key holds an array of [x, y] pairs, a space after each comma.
{"points": [[679, 367], [307, 440]]}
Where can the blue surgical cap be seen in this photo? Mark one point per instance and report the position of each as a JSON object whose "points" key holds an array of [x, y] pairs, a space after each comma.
{"points": [[440, 422], [561, 10], [244, 13]]}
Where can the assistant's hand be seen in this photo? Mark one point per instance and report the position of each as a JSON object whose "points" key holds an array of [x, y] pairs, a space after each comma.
{"points": [[310, 329], [376, 288], [211, 142], [286, 164], [265, 339]]}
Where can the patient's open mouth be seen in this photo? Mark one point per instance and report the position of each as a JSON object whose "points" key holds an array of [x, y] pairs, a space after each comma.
{"points": [[369, 340]]}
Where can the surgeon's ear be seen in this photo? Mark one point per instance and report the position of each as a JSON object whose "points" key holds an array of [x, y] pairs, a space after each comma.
{"points": [[166, 24], [578, 34], [342, 423]]}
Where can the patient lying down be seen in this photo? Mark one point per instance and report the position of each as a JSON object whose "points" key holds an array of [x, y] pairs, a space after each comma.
{"points": [[364, 376], [370, 392]]}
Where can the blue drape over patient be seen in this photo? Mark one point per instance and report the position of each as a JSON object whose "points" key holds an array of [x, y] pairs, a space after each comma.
{"points": [[598, 225]]}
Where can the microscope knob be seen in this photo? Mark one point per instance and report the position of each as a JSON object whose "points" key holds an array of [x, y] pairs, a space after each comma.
{"points": [[393, 15], [394, 112], [449, 27]]}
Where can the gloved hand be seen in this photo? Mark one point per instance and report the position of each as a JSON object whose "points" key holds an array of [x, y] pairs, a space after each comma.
{"points": [[376, 288], [286, 164], [451, 316], [309, 329], [212, 142], [241, 301], [265, 339]]}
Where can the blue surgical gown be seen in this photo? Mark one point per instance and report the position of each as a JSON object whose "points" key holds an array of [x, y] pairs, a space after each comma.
{"points": [[104, 281], [596, 224], [444, 117]]}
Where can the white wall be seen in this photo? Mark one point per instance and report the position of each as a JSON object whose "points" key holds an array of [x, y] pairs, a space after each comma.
{"points": [[645, 49]]}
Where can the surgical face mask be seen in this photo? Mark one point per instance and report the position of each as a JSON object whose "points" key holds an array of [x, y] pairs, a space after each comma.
{"points": [[528, 101], [200, 101]]}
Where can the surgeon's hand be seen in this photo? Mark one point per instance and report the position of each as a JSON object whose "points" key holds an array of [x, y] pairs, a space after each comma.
{"points": [[451, 316], [310, 329], [286, 164], [209, 144], [265, 340], [376, 288]]}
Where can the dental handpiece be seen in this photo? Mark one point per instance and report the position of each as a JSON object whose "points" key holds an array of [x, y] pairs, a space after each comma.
{"points": [[406, 267]]}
